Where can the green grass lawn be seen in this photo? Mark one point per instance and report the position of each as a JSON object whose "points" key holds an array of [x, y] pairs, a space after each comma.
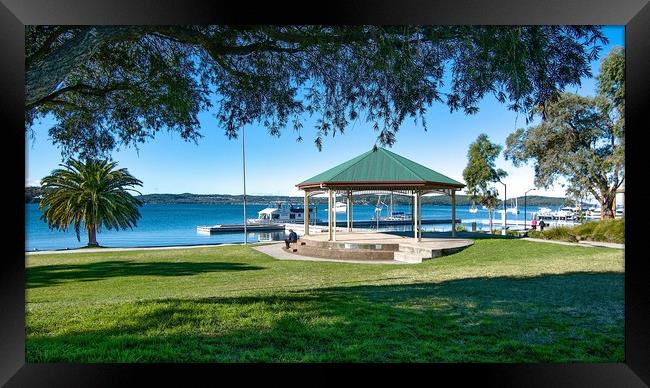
{"points": [[497, 301]]}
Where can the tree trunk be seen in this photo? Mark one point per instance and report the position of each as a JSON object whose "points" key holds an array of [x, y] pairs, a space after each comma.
{"points": [[607, 211], [92, 236], [490, 215]]}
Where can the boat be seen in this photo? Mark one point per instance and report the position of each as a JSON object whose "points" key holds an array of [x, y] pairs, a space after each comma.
{"points": [[473, 209], [272, 218], [620, 212], [393, 216], [593, 213], [378, 208], [340, 207], [544, 213], [281, 212], [233, 228], [513, 209], [396, 216], [566, 213]]}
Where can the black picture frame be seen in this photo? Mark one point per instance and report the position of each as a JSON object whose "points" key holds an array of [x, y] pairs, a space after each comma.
{"points": [[15, 14]]}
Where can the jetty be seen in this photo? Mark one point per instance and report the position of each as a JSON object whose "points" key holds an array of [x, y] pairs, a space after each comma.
{"points": [[234, 228], [384, 223], [276, 227]]}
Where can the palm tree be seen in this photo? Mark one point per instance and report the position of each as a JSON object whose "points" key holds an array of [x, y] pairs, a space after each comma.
{"points": [[93, 193]]}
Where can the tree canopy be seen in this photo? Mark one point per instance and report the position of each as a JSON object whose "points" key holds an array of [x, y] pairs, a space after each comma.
{"points": [[481, 172], [111, 86], [94, 193], [581, 139]]}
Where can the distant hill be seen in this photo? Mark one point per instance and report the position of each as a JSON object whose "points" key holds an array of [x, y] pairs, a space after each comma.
{"points": [[461, 200], [33, 195]]}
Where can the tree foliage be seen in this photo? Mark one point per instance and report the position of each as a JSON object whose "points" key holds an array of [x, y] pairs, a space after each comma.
{"points": [[580, 139], [481, 173], [111, 86], [93, 193]]}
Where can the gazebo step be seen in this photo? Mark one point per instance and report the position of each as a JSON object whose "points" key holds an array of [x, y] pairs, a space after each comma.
{"points": [[407, 257], [423, 252], [352, 254], [351, 245]]}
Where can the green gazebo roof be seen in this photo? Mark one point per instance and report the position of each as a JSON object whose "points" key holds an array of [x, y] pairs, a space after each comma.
{"points": [[380, 168]]}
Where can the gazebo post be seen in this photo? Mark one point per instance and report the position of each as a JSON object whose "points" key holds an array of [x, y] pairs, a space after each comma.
{"points": [[329, 214], [415, 216], [334, 217], [348, 211], [306, 214], [453, 213], [351, 212], [419, 216]]}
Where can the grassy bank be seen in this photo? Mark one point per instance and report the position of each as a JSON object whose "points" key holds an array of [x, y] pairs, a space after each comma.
{"points": [[497, 301], [606, 230]]}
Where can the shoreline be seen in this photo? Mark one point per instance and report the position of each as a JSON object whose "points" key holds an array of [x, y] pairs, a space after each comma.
{"points": [[148, 248]]}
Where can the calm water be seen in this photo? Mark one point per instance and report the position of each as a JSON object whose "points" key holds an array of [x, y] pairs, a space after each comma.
{"points": [[166, 225]]}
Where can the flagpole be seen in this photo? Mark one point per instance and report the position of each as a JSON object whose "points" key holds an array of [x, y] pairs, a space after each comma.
{"points": [[243, 156]]}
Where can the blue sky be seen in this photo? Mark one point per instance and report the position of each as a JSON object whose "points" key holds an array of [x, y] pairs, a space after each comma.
{"points": [[167, 164]]}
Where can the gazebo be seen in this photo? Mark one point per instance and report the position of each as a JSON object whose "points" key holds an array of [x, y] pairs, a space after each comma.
{"points": [[379, 170]]}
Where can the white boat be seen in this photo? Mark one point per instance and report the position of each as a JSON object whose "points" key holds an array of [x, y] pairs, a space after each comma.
{"points": [[473, 209], [233, 228], [513, 209], [340, 207], [283, 212], [593, 213], [544, 213], [392, 215], [566, 213], [398, 216]]}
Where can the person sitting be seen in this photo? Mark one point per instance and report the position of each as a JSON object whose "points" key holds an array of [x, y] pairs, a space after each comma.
{"points": [[293, 237]]}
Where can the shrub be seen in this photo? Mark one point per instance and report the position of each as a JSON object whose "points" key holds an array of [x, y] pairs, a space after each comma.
{"points": [[512, 233], [562, 233], [610, 231], [606, 230], [460, 228], [587, 228]]}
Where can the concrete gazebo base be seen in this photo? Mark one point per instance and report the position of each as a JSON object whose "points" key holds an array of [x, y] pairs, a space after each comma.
{"points": [[376, 246]]}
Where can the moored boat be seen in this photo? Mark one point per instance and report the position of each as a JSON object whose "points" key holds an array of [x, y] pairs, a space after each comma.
{"points": [[283, 212]]}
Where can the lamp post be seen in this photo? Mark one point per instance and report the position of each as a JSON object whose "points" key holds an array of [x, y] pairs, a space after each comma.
{"points": [[525, 215], [505, 215], [243, 156]]}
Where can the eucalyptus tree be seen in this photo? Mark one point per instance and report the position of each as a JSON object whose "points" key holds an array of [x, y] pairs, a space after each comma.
{"points": [[481, 173], [111, 86], [92, 193], [581, 139]]}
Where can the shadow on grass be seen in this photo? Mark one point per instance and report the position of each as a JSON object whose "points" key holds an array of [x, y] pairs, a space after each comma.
{"points": [[550, 318], [47, 275]]}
